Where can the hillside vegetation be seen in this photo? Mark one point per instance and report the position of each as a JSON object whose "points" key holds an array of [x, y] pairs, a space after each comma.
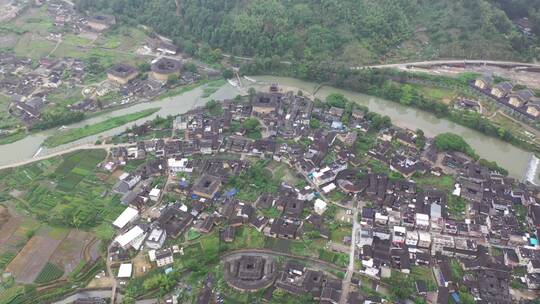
{"points": [[352, 31]]}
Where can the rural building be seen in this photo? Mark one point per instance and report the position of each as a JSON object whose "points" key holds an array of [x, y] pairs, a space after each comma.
{"points": [[533, 108], [127, 216], [134, 238], [264, 103], [125, 271], [484, 82], [179, 165], [502, 89], [156, 238], [166, 47], [250, 273], [521, 97], [320, 206], [122, 73], [164, 257], [165, 67], [154, 194], [207, 186]]}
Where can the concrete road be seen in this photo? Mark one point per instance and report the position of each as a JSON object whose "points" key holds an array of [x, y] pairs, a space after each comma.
{"points": [[352, 254]]}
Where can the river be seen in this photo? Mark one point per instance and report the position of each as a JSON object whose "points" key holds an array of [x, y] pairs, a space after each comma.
{"points": [[514, 159], [518, 162], [30, 146]]}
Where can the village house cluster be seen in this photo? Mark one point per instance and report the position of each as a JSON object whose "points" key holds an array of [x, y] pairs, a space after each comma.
{"points": [[34, 86], [28, 84], [400, 223], [522, 102]]}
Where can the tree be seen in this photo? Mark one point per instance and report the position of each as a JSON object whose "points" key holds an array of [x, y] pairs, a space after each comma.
{"points": [[190, 67], [252, 126], [172, 79], [314, 123], [252, 92], [336, 100], [401, 287], [407, 94], [213, 108], [453, 142], [420, 139], [144, 67], [228, 74]]}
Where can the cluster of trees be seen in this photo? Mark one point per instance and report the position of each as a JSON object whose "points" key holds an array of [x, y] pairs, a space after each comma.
{"points": [[342, 30], [453, 142], [477, 122], [213, 108], [57, 118], [255, 180], [522, 8], [252, 126]]}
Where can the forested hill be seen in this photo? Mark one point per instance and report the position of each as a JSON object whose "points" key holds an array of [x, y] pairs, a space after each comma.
{"points": [[346, 31]]}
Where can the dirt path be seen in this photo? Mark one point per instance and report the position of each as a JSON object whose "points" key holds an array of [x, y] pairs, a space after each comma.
{"points": [[58, 42]]}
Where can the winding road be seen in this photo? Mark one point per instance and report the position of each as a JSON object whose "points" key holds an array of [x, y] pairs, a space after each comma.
{"points": [[450, 62], [418, 63]]}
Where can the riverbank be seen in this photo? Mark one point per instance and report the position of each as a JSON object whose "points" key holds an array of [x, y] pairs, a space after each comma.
{"points": [[27, 148], [22, 134], [508, 156], [71, 135], [394, 85], [516, 160]]}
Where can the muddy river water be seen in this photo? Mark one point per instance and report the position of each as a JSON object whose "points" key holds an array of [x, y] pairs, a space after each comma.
{"points": [[519, 162]]}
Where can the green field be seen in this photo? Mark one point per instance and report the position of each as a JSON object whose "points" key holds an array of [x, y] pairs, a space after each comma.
{"points": [[75, 134], [5, 258], [337, 235], [64, 191], [8, 296], [49, 273], [33, 47], [339, 259]]}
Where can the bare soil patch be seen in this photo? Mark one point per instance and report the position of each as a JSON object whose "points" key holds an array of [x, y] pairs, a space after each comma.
{"points": [[70, 252], [141, 265], [32, 258], [6, 232]]}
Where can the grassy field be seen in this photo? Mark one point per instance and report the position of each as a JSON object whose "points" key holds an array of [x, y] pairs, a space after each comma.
{"points": [[337, 235], [440, 94], [183, 89], [213, 87], [444, 182], [13, 137], [33, 46], [339, 259], [64, 96], [75, 134]]}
